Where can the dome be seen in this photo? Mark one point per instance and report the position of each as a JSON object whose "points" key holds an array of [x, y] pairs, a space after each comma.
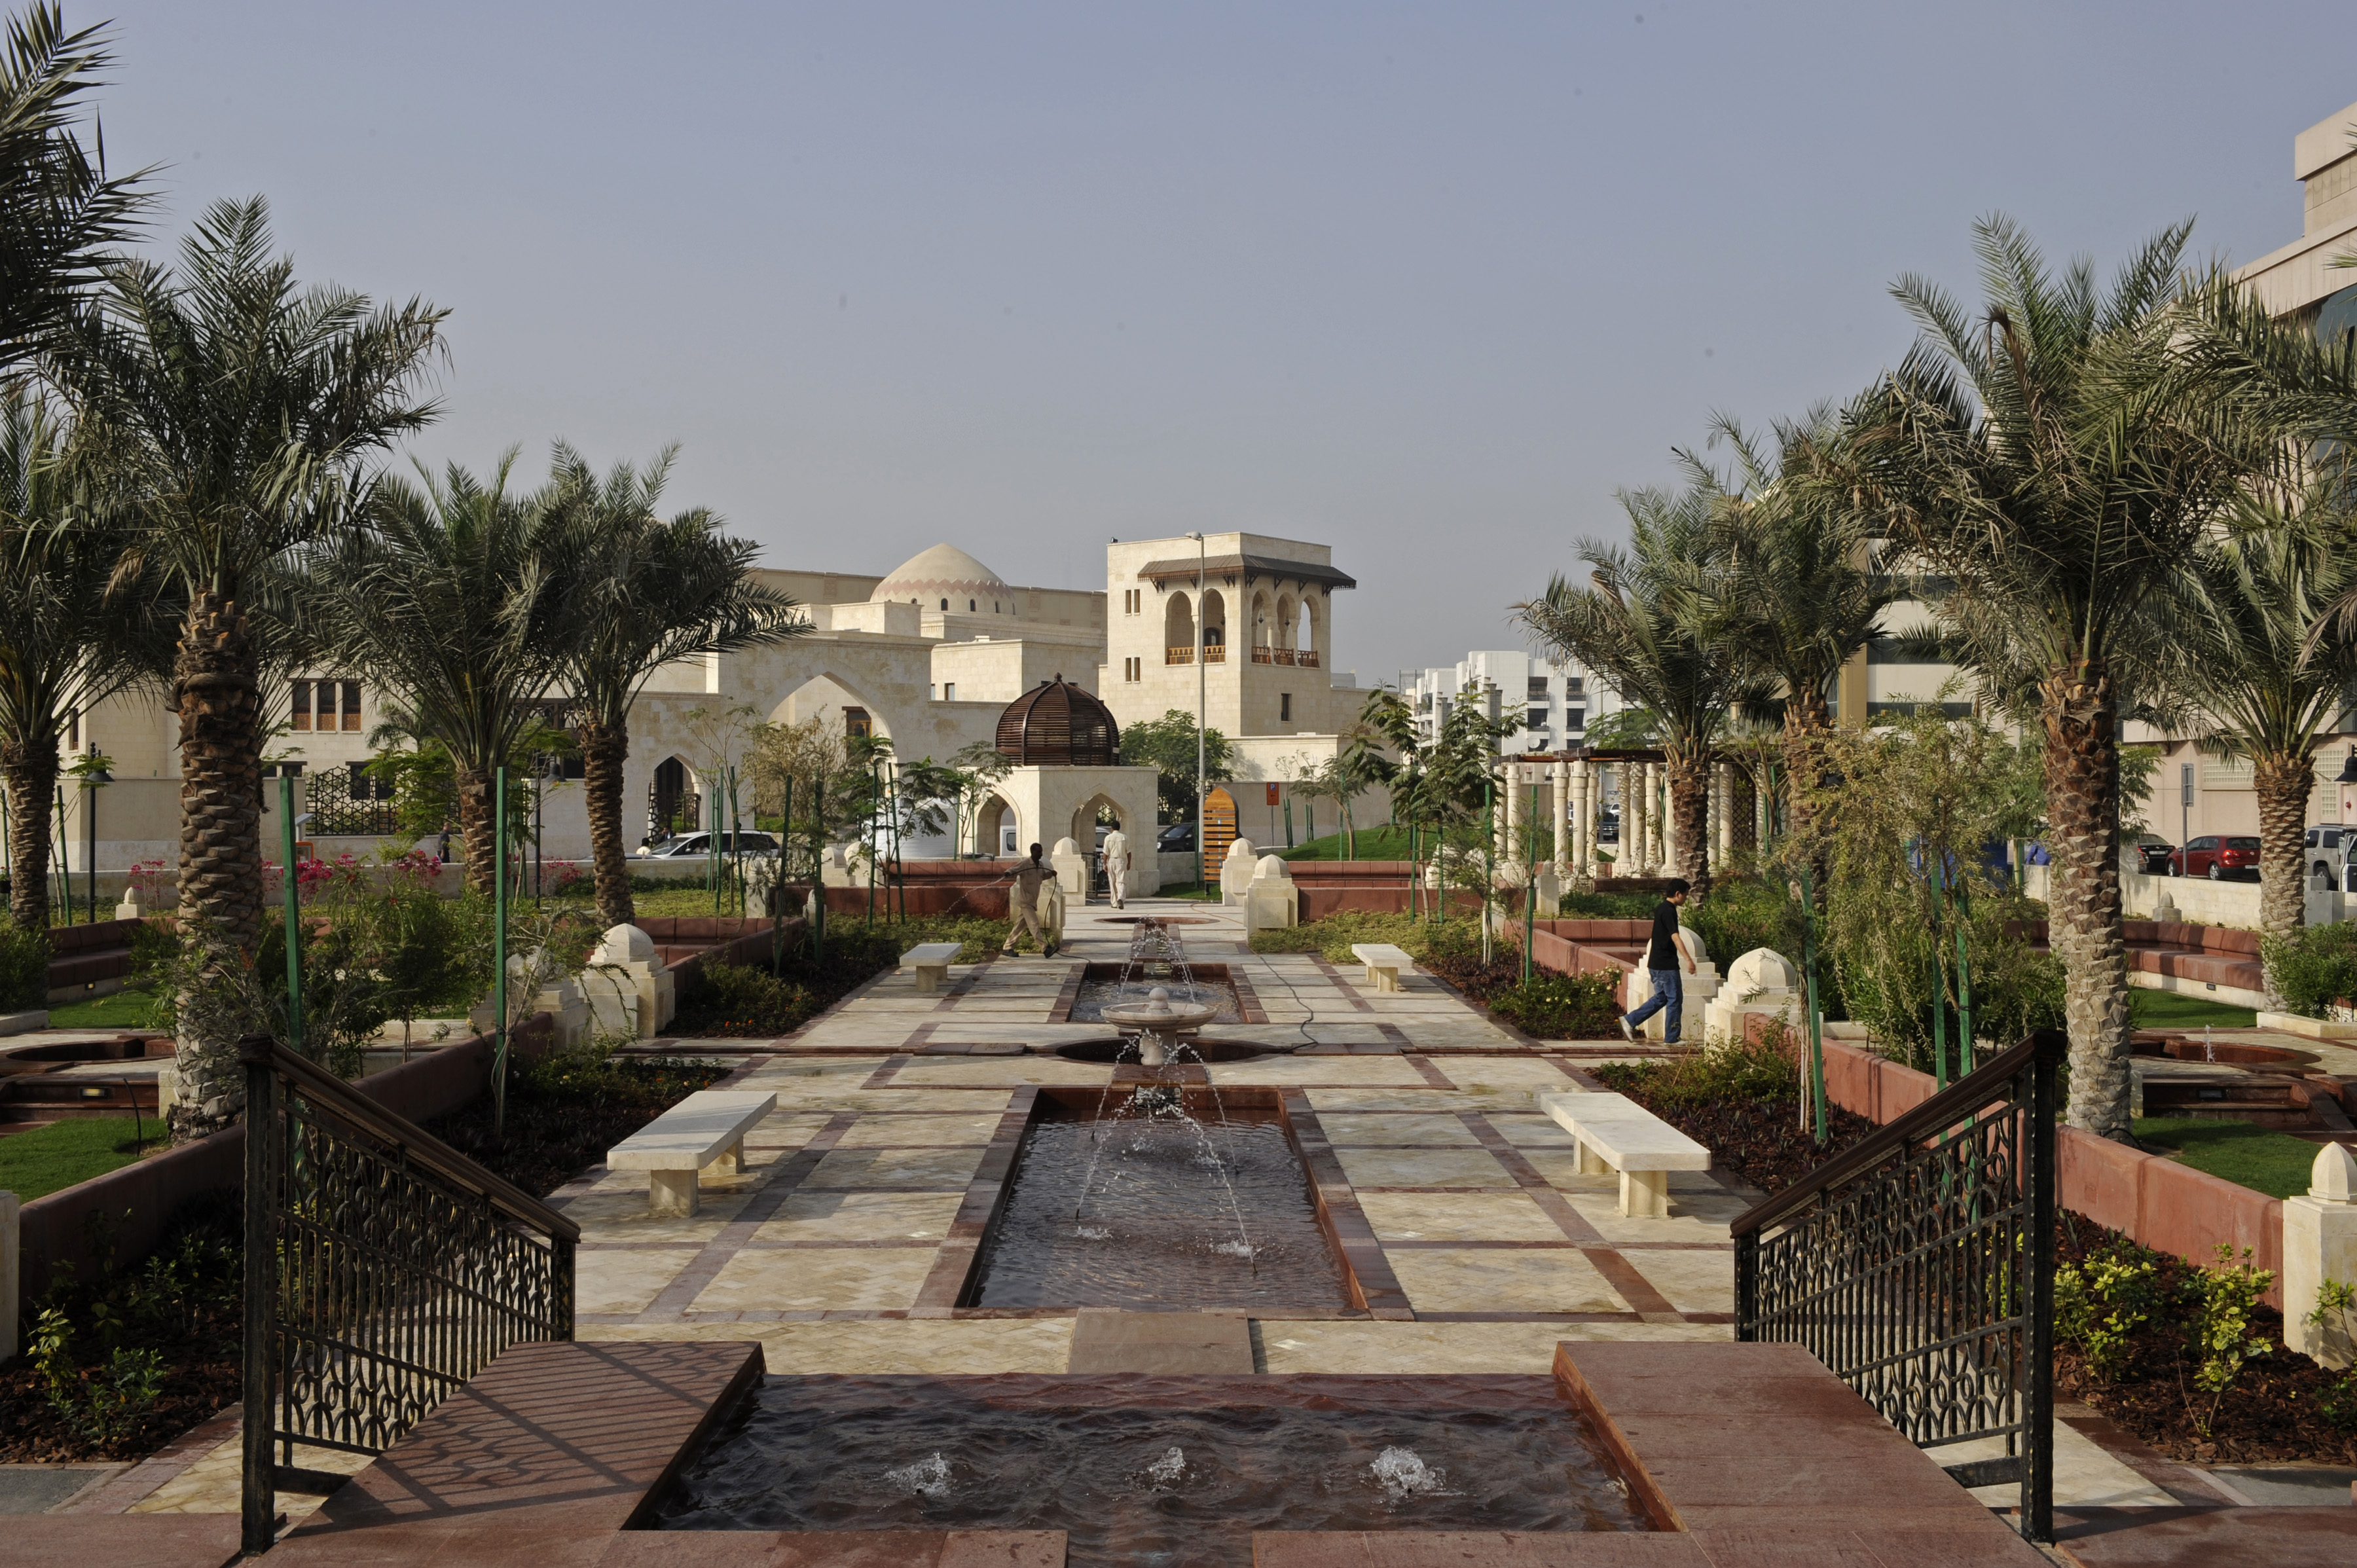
{"points": [[945, 572], [1057, 723], [1761, 969]]}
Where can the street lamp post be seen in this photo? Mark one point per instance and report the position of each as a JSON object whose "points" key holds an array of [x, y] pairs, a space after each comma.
{"points": [[1203, 706]]}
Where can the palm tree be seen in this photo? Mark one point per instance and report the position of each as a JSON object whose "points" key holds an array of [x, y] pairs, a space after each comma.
{"points": [[452, 595], [1810, 592], [2048, 456], [1660, 625], [60, 216], [2266, 688], [246, 406], [71, 636], [646, 592]]}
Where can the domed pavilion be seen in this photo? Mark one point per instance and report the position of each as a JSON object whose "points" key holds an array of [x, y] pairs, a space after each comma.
{"points": [[1065, 747], [1056, 722]]}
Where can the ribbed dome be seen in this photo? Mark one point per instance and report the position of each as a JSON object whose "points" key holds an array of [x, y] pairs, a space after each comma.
{"points": [[1058, 723], [942, 572]]}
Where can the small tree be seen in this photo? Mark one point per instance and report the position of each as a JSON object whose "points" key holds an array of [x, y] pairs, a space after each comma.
{"points": [[1166, 745]]}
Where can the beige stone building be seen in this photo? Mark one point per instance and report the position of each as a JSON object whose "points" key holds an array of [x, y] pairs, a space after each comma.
{"points": [[927, 655]]}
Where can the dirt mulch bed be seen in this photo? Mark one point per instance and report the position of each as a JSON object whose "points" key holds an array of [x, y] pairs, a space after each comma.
{"points": [[33, 1432], [562, 1118], [2268, 1416], [1758, 1139]]}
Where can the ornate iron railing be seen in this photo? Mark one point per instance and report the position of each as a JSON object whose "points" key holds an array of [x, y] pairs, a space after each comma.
{"points": [[382, 1270], [1919, 1267], [341, 800]]}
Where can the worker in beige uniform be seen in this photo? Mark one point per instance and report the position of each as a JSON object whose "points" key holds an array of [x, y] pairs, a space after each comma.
{"points": [[1023, 905], [1116, 866]]}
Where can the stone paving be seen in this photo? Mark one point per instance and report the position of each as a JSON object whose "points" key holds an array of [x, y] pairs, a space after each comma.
{"points": [[832, 1249]]}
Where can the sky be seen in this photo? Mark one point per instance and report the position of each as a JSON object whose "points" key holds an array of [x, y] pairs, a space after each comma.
{"points": [[1427, 284]]}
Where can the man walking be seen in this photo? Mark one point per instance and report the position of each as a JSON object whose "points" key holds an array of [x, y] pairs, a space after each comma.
{"points": [[1116, 866], [1023, 906], [1663, 955]]}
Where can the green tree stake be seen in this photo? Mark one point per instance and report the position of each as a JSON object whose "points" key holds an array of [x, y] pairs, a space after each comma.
{"points": [[499, 953], [1939, 978], [1817, 1032], [778, 883], [293, 915], [1530, 887]]}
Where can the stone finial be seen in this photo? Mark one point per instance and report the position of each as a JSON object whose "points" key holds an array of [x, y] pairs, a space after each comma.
{"points": [[1271, 868], [2333, 1177], [1762, 969], [1064, 846], [1239, 849], [626, 944]]}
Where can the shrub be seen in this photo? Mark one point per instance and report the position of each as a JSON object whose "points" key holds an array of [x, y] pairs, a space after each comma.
{"points": [[1560, 1007], [2315, 968], [24, 968], [739, 1000], [2224, 1298], [1724, 1069], [1333, 935], [2101, 1303]]}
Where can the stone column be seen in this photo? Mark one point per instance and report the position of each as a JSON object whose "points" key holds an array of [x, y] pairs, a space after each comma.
{"points": [[1509, 850], [2320, 1244], [1723, 797], [1653, 839], [1559, 797]]}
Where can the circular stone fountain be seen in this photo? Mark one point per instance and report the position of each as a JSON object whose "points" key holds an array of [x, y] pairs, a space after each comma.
{"points": [[1158, 1022]]}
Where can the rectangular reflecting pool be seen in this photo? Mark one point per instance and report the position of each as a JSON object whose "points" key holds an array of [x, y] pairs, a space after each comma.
{"points": [[1168, 1472], [1159, 1196]]}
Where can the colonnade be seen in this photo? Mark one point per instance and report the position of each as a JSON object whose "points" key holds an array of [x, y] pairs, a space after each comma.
{"points": [[1572, 794]]}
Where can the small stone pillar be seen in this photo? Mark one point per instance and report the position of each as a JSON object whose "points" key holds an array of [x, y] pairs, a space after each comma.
{"points": [[2320, 1244], [129, 908], [1071, 868], [1762, 981], [1270, 901], [1550, 892], [630, 988], [1236, 872]]}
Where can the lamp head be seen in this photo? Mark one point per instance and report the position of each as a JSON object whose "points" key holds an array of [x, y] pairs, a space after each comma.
{"points": [[2349, 767]]}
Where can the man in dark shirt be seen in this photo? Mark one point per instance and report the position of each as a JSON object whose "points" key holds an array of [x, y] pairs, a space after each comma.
{"points": [[1665, 953]]}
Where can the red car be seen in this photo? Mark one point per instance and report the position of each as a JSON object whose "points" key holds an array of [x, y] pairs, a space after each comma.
{"points": [[2216, 858]]}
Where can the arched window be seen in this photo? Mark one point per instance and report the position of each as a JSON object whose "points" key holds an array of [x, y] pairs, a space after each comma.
{"points": [[945, 603], [1179, 629]]}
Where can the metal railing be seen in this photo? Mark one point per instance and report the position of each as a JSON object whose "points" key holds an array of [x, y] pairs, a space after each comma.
{"points": [[1919, 1267], [382, 1270], [341, 804]]}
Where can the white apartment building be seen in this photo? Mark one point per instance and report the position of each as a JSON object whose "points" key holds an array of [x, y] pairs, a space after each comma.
{"points": [[1555, 702]]}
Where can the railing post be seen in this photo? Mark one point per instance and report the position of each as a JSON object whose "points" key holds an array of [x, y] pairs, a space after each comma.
{"points": [[258, 1500], [1747, 1286], [2037, 1418]]}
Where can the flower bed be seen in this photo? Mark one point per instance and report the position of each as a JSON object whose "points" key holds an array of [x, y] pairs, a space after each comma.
{"points": [[2183, 1357], [564, 1110], [1743, 1103]]}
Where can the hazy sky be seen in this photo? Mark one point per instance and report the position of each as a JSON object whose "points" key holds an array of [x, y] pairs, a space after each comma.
{"points": [[1424, 283]]}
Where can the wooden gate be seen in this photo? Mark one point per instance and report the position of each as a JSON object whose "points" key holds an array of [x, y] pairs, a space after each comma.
{"points": [[1218, 832]]}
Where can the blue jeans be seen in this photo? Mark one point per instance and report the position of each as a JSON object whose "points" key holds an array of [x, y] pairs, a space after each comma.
{"points": [[1669, 991]]}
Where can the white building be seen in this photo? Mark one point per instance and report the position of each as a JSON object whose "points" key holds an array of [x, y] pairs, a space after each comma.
{"points": [[1555, 702]]}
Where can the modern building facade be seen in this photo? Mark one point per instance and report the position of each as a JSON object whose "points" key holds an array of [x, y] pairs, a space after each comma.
{"points": [[1555, 701]]}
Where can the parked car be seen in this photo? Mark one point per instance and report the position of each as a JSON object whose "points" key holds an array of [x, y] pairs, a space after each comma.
{"points": [[2327, 854], [2235, 857], [693, 844], [2154, 856], [1608, 825], [1179, 838]]}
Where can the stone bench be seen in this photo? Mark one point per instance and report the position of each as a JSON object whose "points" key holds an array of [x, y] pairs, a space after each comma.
{"points": [[1384, 962], [931, 963], [1616, 1134], [707, 1127]]}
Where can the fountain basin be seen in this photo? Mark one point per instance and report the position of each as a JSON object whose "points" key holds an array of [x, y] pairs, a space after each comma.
{"points": [[1195, 1050], [2179, 1048], [1095, 1456], [1101, 1209]]}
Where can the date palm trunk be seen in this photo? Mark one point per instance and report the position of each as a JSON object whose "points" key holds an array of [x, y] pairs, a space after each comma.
{"points": [[30, 771], [604, 749], [475, 822], [2084, 918], [1689, 768], [217, 687], [2282, 784]]}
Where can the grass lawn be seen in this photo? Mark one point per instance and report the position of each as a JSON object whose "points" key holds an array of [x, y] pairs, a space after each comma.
{"points": [[123, 1010], [48, 1159], [2174, 1010], [2249, 1155], [1370, 843]]}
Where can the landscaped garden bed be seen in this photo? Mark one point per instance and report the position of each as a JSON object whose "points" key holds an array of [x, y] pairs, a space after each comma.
{"points": [[49, 1159], [566, 1111], [2184, 1356], [755, 1001]]}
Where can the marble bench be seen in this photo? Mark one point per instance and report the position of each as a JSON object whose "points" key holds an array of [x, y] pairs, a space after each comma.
{"points": [[929, 961], [1385, 963], [1616, 1134], [705, 1129]]}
